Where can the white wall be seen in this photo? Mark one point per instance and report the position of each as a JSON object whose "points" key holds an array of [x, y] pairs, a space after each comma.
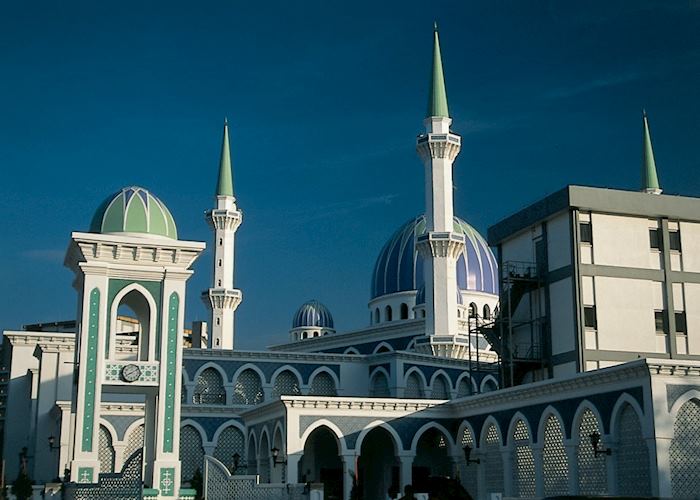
{"points": [[622, 241], [692, 311], [690, 246], [625, 314], [562, 316], [559, 241]]}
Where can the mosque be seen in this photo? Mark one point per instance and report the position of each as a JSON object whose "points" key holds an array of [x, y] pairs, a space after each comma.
{"points": [[558, 355]]}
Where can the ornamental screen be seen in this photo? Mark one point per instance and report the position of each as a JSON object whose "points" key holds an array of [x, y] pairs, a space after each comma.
{"points": [[493, 463], [191, 452], [248, 388], [286, 384], [323, 385], [685, 451], [555, 464], [470, 479], [632, 455], [523, 461], [414, 387], [209, 389], [592, 472], [106, 450]]}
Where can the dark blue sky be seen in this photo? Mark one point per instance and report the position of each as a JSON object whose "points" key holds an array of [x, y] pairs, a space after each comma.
{"points": [[324, 101]]}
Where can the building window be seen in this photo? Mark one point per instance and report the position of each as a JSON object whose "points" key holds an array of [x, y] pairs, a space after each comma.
{"points": [[589, 317], [586, 232], [387, 313], [404, 311], [674, 240], [660, 322], [655, 240], [681, 326], [487, 311], [473, 310]]}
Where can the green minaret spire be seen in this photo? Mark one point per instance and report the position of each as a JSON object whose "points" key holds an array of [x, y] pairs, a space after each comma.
{"points": [[437, 101], [225, 185], [650, 181]]}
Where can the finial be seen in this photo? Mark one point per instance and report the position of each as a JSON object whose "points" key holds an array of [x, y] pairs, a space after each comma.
{"points": [[435, 28], [437, 99], [224, 185], [225, 120], [650, 179]]}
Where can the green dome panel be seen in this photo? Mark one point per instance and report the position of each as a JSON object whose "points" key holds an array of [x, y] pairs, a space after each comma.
{"points": [[134, 209]]}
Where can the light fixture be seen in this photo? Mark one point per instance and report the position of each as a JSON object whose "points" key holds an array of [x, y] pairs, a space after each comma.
{"points": [[275, 461], [467, 456], [52, 443], [237, 462], [595, 442]]}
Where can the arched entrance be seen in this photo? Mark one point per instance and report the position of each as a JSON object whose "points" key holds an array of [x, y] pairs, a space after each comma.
{"points": [[432, 459], [378, 467], [321, 463]]}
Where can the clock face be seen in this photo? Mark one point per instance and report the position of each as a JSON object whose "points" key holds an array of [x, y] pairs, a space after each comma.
{"points": [[131, 373]]}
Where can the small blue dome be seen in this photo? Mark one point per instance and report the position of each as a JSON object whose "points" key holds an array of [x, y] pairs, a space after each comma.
{"points": [[420, 296], [399, 267], [312, 313]]}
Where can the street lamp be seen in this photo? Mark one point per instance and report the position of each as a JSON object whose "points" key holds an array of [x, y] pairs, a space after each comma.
{"points": [[237, 462], [52, 443], [275, 461], [467, 456], [595, 442]]}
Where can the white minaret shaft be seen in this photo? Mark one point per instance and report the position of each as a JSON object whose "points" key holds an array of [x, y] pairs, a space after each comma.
{"points": [[222, 297], [440, 245]]}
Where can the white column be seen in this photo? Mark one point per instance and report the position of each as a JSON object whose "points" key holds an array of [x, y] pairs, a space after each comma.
{"points": [[539, 471], [293, 459], [571, 447], [349, 471], [508, 472], [406, 472], [660, 454]]}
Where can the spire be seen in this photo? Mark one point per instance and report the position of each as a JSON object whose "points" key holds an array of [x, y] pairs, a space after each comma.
{"points": [[650, 181], [225, 185], [437, 101]]}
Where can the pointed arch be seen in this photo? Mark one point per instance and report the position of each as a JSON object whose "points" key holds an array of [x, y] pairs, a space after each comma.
{"points": [[150, 336], [248, 385], [210, 385], [286, 381], [382, 347], [488, 384], [335, 430], [625, 398], [466, 435], [379, 383], [249, 366], [433, 425], [351, 351], [465, 381], [683, 399], [512, 424], [555, 462], [490, 446], [592, 468], [414, 389], [398, 443], [438, 392], [520, 439]]}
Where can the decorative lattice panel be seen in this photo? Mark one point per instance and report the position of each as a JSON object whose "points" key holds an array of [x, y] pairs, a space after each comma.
{"points": [[105, 451], [380, 386], [523, 461], [440, 390], [133, 442], [191, 452], [592, 472], [631, 455], [464, 388], [264, 464], [230, 441], [492, 461], [220, 485], [286, 384], [685, 452], [555, 464], [126, 485], [414, 387], [470, 472], [209, 389], [183, 392], [248, 388], [323, 385]]}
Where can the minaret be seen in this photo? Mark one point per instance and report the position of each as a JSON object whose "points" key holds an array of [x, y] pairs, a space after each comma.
{"points": [[222, 297], [440, 245], [650, 181]]}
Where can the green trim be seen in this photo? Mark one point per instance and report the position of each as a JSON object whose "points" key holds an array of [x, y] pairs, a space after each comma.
{"points": [[437, 100], [224, 186], [171, 369], [91, 370], [86, 475], [136, 216], [167, 481], [117, 285]]}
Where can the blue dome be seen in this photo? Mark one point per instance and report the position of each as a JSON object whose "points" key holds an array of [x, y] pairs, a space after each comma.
{"points": [[312, 313], [399, 267]]}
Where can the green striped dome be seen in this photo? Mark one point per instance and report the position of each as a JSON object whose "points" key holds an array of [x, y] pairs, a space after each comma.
{"points": [[134, 209]]}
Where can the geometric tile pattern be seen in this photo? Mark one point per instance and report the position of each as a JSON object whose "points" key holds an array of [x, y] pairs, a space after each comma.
{"points": [[323, 385], [685, 452], [380, 386], [149, 371], [414, 387], [248, 388], [127, 485], [105, 452], [492, 462], [440, 390], [470, 472], [230, 442], [554, 460], [631, 455], [191, 452], [133, 442], [286, 384], [592, 471], [209, 389], [523, 461]]}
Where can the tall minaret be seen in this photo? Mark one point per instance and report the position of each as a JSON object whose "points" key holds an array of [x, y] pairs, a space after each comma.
{"points": [[650, 181], [222, 297], [440, 245]]}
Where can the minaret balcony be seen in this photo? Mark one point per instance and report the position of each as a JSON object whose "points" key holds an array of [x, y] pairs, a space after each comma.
{"points": [[222, 298], [439, 244], [224, 219], [438, 146]]}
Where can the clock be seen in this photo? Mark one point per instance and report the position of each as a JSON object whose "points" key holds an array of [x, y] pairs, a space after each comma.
{"points": [[131, 373]]}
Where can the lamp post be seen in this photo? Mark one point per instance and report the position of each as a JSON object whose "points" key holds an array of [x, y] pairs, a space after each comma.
{"points": [[597, 449], [275, 454], [237, 462], [52, 443], [467, 456]]}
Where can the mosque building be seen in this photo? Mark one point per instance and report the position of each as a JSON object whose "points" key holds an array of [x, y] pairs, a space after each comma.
{"points": [[558, 355]]}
